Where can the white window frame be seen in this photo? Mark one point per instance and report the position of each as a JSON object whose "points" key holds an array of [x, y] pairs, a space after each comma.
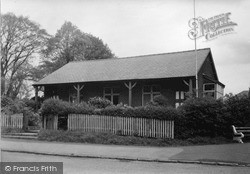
{"points": [[152, 93], [209, 91], [179, 97], [111, 94]]}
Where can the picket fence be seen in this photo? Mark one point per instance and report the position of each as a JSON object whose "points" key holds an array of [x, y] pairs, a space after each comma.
{"points": [[13, 121], [122, 125]]}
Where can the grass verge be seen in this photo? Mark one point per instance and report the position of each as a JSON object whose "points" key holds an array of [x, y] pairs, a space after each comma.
{"points": [[109, 138]]}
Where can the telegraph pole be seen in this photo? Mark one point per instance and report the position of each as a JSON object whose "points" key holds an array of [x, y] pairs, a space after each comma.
{"points": [[196, 61]]}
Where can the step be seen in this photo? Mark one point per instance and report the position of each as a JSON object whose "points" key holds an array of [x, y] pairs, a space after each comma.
{"points": [[21, 134], [19, 137], [33, 131]]}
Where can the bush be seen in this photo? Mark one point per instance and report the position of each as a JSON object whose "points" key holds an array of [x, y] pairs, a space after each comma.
{"points": [[212, 118], [159, 100], [238, 110], [59, 107], [99, 102], [11, 130], [10, 106], [200, 117], [54, 107], [109, 138], [30, 103]]}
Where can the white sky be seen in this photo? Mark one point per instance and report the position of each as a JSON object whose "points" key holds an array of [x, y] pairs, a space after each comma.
{"points": [[139, 27]]}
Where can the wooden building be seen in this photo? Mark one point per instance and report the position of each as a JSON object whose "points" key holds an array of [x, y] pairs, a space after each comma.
{"points": [[135, 80]]}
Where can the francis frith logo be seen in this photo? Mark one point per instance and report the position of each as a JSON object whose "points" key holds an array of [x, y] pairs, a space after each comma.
{"points": [[212, 27]]}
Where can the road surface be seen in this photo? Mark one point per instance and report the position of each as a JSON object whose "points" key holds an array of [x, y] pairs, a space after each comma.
{"points": [[73, 165]]}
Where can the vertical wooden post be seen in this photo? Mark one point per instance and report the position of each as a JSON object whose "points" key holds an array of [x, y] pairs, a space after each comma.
{"points": [[78, 89], [191, 86], [249, 93], [36, 97], [130, 87]]}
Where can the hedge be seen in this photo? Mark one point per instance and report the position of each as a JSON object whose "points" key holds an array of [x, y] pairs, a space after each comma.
{"points": [[59, 107], [213, 118], [204, 117]]}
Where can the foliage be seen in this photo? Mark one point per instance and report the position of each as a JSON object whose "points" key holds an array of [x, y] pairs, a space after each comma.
{"points": [[202, 117], [99, 102], [109, 138], [21, 40], [54, 107], [209, 117], [59, 107], [25, 106], [5, 130], [10, 106], [156, 112], [238, 109], [159, 100], [70, 44]]}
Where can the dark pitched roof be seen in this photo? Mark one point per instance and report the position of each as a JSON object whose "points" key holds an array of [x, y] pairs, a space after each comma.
{"points": [[166, 65]]}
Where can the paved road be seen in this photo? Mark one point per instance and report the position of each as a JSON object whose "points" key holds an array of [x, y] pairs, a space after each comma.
{"points": [[227, 152], [239, 153], [105, 166]]}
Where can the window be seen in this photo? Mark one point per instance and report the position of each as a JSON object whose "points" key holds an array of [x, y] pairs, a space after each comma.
{"points": [[149, 92], [179, 97], [209, 90], [112, 94]]}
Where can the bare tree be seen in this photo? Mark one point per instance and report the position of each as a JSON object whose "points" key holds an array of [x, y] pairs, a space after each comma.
{"points": [[21, 40]]}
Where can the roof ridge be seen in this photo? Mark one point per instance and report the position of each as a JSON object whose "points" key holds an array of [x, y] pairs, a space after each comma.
{"points": [[131, 57], [165, 53]]}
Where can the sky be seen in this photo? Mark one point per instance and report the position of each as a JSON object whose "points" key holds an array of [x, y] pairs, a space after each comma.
{"points": [[140, 27]]}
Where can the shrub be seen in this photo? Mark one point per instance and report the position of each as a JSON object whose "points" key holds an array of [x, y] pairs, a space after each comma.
{"points": [[30, 103], [59, 107], [55, 107], [159, 100], [200, 117], [99, 102], [10, 106], [238, 109], [156, 112], [11, 130], [109, 138]]}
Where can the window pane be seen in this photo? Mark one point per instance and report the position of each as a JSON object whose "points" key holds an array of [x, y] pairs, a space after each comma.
{"points": [[107, 90], [116, 90], [146, 89], [182, 94], [155, 95], [115, 99], [209, 87], [177, 95], [146, 99], [108, 97], [156, 88]]}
